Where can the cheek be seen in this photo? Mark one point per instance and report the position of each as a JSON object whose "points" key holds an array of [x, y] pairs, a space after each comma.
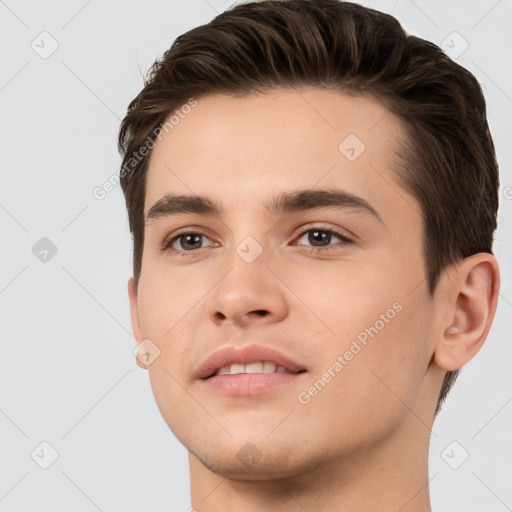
{"points": [[164, 302], [369, 317], [379, 380], [346, 297], [165, 317]]}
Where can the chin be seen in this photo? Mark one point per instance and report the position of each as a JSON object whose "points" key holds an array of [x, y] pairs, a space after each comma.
{"points": [[254, 458], [235, 469]]}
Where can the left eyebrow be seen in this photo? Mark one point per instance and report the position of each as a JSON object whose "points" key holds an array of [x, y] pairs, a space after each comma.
{"points": [[286, 202], [303, 200]]}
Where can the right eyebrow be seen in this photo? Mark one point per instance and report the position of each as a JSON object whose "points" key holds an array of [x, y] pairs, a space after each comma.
{"points": [[172, 204]]}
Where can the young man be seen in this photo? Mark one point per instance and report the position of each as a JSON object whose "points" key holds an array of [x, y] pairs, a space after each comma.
{"points": [[312, 195]]}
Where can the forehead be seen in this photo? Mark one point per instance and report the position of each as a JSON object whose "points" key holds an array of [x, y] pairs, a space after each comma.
{"points": [[241, 150]]}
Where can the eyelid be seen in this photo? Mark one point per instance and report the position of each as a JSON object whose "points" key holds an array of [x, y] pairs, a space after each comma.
{"points": [[189, 230], [299, 233], [343, 234]]}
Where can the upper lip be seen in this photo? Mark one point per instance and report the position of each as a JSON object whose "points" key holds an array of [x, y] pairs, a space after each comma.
{"points": [[249, 354]]}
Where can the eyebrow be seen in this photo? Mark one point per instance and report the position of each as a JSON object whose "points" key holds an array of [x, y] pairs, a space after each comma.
{"points": [[286, 202]]}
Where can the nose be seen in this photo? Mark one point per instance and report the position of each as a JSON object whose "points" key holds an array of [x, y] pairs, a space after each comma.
{"points": [[249, 293]]}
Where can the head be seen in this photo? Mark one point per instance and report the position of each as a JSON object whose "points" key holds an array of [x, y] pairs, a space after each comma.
{"points": [[263, 100]]}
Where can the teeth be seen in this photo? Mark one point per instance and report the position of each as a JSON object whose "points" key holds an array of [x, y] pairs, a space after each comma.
{"points": [[269, 367], [254, 368], [237, 368], [259, 367]]}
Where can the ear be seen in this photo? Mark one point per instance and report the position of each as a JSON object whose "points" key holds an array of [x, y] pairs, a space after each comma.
{"points": [[470, 299], [134, 315]]}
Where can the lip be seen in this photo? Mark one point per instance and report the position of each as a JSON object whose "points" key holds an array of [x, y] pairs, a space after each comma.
{"points": [[247, 384], [253, 353]]}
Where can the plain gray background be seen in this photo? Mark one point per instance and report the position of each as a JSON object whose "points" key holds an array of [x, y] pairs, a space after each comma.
{"points": [[67, 373]]}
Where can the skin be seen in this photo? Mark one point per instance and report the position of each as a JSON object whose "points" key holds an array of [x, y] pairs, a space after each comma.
{"points": [[360, 444]]}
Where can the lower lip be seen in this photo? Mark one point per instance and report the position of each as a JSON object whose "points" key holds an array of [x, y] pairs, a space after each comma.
{"points": [[249, 383]]}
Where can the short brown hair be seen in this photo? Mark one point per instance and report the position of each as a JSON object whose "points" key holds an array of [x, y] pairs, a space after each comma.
{"points": [[448, 161]]}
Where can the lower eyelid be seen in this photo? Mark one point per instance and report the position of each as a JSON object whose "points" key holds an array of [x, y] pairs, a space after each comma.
{"points": [[169, 242], [341, 236]]}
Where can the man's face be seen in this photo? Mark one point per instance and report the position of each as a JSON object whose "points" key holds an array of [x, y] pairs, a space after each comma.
{"points": [[354, 316]]}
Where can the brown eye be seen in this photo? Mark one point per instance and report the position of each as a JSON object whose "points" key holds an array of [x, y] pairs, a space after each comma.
{"points": [[190, 241], [321, 237], [186, 242]]}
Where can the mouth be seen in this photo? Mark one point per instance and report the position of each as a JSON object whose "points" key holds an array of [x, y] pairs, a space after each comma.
{"points": [[248, 371], [260, 367]]}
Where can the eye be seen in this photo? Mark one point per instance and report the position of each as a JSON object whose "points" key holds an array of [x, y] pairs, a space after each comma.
{"points": [[188, 242], [322, 236]]}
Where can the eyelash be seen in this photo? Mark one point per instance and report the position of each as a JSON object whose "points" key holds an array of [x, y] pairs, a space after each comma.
{"points": [[166, 245]]}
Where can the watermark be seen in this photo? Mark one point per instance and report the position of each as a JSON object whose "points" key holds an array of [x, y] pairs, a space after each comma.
{"points": [[100, 192], [146, 352], [304, 397], [351, 147], [507, 193], [44, 455], [454, 45], [44, 45], [249, 249], [455, 455], [44, 250], [249, 454]]}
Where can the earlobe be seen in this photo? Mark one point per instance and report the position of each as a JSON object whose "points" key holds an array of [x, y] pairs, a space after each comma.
{"points": [[473, 300], [134, 315]]}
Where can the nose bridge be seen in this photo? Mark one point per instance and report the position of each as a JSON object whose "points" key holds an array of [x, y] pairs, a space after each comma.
{"points": [[247, 285], [245, 263], [248, 247]]}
